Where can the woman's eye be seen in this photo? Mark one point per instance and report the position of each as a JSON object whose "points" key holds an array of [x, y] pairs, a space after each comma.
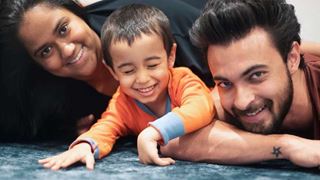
{"points": [[63, 29], [46, 52]]}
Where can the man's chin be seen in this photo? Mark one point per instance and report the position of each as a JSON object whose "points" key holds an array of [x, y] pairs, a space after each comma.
{"points": [[258, 129]]}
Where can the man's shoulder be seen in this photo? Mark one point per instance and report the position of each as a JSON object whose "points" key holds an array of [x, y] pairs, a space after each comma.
{"points": [[310, 59]]}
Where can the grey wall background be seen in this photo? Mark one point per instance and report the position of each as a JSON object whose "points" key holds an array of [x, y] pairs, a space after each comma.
{"points": [[308, 13]]}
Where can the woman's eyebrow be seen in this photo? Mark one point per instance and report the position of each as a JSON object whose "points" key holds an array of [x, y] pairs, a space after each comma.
{"points": [[55, 30]]}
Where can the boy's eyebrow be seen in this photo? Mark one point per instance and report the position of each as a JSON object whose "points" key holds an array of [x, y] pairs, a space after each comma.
{"points": [[124, 64], [146, 59], [56, 29], [151, 58]]}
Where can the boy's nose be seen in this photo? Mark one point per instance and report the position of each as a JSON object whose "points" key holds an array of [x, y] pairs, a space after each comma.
{"points": [[142, 77]]}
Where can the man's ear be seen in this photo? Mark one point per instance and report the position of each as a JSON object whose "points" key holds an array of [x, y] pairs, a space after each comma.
{"points": [[112, 72], [293, 59], [172, 55]]}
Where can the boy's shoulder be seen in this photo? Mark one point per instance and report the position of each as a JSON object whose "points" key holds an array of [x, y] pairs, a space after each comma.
{"points": [[181, 76], [181, 70]]}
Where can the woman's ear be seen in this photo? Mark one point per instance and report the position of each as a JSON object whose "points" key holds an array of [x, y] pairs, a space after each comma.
{"points": [[293, 59], [112, 72], [172, 55]]}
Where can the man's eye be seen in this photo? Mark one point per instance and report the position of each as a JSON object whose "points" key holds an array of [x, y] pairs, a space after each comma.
{"points": [[257, 75], [46, 52], [225, 85], [63, 29]]}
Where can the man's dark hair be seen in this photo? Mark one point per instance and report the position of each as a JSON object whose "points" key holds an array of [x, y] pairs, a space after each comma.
{"points": [[130, 22], [225, 21]]}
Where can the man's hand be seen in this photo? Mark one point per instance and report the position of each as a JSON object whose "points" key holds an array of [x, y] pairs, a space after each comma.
{"points": [[302, 152], [80, 152], [147, 148]]}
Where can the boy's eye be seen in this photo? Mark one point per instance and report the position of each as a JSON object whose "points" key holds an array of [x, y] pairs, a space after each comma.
{"points": [[152, 65], [224, 84], [63, 29], [46, 51], [128, 71]]}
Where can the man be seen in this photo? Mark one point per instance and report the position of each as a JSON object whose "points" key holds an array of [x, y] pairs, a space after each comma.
{"points": [[265, 86]]}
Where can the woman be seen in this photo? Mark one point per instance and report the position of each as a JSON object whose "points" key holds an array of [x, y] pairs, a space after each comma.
{"points": [[48, 105]]}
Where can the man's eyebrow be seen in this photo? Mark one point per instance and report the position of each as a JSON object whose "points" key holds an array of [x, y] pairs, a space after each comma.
{"points": [[246, 72], [58, 25], [219, 78], [252, 68]]}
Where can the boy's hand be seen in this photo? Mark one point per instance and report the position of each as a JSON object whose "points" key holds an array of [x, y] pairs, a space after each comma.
{"points": [[147, 148], [80, 152]]}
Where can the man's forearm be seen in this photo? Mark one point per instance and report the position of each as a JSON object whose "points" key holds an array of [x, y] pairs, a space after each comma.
{"points": [[225, 144]]}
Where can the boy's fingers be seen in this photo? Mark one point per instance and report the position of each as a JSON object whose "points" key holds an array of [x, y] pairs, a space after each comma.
{"points": [[67, 162], [49, 164], [56, 166], [163, 161], [169, 160], [90, 161], [42, 161]]}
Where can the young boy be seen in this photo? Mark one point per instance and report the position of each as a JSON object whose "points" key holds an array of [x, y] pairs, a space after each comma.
{"points": [[154, 99]]}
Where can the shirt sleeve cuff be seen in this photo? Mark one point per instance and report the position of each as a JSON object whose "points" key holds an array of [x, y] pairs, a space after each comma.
{"points": [[170, 126], [91, 142]]}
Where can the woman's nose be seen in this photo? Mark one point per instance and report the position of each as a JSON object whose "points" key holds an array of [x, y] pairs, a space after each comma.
{"points": [[67, 50]]}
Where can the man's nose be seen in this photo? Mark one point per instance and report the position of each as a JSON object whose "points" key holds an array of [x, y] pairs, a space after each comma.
{"points": [[244, 96]]}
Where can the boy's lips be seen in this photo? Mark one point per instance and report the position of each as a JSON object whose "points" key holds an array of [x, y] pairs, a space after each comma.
{"points": [[146, 91]]}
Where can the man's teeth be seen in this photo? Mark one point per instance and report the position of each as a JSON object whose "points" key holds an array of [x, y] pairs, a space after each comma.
{"points": [[255, 112], [77, 57]]}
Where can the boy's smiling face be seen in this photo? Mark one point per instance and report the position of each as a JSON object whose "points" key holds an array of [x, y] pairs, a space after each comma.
{"points": [[142, 69]]}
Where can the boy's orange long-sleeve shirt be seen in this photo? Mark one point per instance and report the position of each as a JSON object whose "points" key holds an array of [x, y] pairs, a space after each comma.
{"points": [[189, 107]]}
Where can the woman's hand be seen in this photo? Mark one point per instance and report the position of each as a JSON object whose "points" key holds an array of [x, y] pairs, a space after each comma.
{"points": [[84, 124], [80, 152]]}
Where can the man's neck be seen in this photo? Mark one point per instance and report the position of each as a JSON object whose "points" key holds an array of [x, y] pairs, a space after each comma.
{"points": [[300, 115]]}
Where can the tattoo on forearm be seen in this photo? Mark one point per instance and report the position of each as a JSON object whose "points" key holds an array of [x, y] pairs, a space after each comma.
{"points": [[276, 151]]}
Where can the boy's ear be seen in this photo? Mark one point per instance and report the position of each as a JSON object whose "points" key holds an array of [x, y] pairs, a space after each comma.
{"points": [[293, 59], [172, 55], [112, 72]]}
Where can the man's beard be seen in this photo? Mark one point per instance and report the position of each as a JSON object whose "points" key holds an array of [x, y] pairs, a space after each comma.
{"points": [[276, 121]]}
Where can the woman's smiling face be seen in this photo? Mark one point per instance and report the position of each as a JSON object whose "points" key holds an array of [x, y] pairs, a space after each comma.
{"points": [[61, 42]]}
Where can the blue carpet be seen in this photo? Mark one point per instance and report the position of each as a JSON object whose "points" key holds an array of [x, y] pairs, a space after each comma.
{"points": [[19, 161]]}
